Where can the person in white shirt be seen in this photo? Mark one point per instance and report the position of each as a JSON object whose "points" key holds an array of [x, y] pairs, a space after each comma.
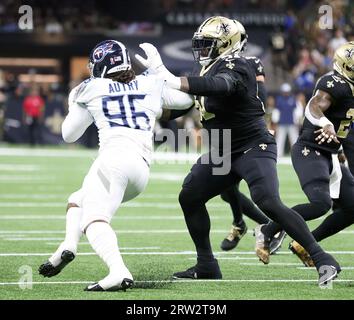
{"points": [[124, 108]]}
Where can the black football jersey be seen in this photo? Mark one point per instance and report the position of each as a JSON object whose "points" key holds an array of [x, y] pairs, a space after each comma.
{"points": [[244, 115], [340, 113], [257, 65]]}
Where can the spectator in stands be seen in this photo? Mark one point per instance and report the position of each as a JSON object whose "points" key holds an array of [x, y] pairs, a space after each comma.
{"points": [[285, 115], [338, 40], [33, 112]]}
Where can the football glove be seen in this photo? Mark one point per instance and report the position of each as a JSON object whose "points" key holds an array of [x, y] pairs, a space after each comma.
{"points": [[154, 65]]}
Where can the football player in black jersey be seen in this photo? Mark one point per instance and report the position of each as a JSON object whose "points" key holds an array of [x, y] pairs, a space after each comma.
{"points": [[238, 202], [226, 95], [328, 118]]}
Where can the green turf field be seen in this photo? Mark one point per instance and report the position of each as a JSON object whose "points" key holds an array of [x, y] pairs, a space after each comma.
{"points": [[34, 186]]}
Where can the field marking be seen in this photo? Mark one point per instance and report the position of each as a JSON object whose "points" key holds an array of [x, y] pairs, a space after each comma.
{"points": [[18, 167], [181, 281], [130, 204], [160, 156], [270, 264], [313, 268], [163, 253]]}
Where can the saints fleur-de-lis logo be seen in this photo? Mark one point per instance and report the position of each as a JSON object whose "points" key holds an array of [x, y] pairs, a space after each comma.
{"points": [[225, 28], [349, 53], [305, 151], [230, 65], [330, 84], [263, 146]]}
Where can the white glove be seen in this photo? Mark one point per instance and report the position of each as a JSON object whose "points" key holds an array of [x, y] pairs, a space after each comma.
{"points": [[153, 61], [154, 65]]}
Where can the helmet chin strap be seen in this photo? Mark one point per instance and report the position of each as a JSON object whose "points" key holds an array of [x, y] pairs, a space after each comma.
{"points": [[104, 71]]}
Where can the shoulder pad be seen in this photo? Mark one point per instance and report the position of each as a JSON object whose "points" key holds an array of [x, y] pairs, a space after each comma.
{"points": [[333, 84]]}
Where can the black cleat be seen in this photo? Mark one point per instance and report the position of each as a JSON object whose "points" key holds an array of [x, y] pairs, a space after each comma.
{"points": [[126, 284], [276, 242], [234, 237], [48, 270], [205, 270]]}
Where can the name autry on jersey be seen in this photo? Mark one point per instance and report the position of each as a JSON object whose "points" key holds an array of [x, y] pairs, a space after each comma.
{"points": [[119, 87]]}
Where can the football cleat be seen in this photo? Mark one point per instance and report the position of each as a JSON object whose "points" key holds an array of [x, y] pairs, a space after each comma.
{"points": [[276, 242], [262, 245], [205, 270], [126, 284], [48, 270], [234, 237], [302, 254]]}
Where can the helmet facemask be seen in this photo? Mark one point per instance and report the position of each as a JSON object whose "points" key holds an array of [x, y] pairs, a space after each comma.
{"points": [[205, 50]]}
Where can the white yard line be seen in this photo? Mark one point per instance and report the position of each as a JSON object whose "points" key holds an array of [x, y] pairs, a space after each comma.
{"points": [[181, 281], [130, 204], [161, 157], [18, 167], [163, 253]]}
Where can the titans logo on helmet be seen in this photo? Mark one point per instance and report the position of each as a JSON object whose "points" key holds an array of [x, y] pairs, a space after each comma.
{"points": [[102, 51]]}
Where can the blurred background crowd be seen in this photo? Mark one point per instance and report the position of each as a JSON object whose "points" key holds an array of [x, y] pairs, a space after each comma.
{"points": [[39, 66]]}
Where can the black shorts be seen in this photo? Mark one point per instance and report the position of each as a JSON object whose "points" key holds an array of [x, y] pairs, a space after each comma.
{"points": [[313, 168], [257, 166], [348, 147]]}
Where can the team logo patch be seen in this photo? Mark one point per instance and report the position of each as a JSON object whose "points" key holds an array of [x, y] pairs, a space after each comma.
{"points": [[305, 151], [349, 53], [102, 51], [230, 65], [224, 28], [330, 84], [263, 146]]}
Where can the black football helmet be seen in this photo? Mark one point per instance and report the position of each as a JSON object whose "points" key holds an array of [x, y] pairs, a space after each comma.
{"points": [[108, 58]]}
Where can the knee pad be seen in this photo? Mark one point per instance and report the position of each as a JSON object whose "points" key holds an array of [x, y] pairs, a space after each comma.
{"points": [[318, 194], [270, 206], [189, 198]]}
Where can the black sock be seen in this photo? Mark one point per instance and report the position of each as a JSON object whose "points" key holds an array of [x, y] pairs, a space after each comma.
{"points": [[290, 221], [198, 223], [310, 211], [251, 210], [271, 229], [232, 197], [334, 223]]}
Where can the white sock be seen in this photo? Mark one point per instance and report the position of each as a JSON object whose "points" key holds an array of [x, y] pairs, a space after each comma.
{"points": [[72, 235], [104, 241]]}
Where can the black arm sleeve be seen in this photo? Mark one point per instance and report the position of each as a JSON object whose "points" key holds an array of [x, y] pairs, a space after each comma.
{"points": [[222, 84], [262, 92], [174, 114]]}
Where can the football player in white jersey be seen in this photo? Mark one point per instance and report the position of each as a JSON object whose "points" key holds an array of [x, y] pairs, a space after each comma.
{"points": [[124, 108]]}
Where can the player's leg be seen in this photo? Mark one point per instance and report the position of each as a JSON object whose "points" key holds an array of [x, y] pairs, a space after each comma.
{"points": [[200, 185], [313, 171], [343, 216], [348, 147], [240, 205], [238, 227], [280, 137], [104, 191], [66, 251], [258, 168]]}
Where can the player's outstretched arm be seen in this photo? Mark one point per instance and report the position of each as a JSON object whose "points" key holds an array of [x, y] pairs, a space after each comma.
{"points": [[314, 112]]}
